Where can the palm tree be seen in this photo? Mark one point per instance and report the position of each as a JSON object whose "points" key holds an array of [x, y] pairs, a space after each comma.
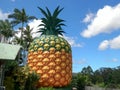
{"points": [[20, 16], [28, 36], [6, 30], [16, 40]]}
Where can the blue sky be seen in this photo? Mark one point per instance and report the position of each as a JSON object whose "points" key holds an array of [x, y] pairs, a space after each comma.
{"points": [[92, 28]]}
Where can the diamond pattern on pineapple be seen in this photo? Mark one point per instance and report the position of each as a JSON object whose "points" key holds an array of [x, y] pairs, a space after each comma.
{"points": [[50, 56]]}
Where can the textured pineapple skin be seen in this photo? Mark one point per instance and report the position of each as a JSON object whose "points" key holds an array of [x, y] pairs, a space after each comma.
{"points": [[50, 56]]}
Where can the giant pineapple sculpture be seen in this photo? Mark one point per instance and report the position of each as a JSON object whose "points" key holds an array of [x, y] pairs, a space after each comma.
{"points": [[50, 55]]}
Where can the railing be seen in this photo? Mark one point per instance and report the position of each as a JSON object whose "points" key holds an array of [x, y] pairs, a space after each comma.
{"points": [[98, 88]]}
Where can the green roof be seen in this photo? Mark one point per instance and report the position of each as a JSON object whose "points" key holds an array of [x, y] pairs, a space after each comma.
{"points": [[9, 51]]}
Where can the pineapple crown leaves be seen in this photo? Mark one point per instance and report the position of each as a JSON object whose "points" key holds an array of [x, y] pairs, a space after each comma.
{"points": [[52, 25]]}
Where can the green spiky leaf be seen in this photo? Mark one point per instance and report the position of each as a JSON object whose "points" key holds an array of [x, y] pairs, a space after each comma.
{"points": [[52, 25]]}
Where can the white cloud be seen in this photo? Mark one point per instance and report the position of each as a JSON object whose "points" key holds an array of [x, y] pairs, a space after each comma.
{"points": [[72, 41], [106, 20], [113, 43], [3, 16], [89, 17], [18, 34], [34, 24], [104, 45]]}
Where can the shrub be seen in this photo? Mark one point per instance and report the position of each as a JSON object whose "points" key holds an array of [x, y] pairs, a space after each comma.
{"points": [[19, 78], [31, 81]]}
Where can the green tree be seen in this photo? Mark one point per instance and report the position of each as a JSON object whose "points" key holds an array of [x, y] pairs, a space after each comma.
{"points": [[19, 78], [16, 40], [82, 81], [87, 71], [31, 81], [20, 16], [6, 30], [28, 36], [98, 79]]}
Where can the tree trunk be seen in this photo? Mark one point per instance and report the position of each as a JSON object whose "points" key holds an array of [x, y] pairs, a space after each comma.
{"points": [[1, 73]]}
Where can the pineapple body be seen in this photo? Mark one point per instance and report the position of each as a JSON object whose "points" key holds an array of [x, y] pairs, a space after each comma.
{"points": [[50, 57]]}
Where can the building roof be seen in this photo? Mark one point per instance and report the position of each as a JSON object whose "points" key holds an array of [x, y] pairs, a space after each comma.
{"points": [[9, 51]]}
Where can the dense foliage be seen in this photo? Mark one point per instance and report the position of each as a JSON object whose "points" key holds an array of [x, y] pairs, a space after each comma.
{"points": [[19, 78], [103, 77]]}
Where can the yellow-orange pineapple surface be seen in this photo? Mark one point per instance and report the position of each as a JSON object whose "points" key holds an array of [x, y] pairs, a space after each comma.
{"points": [[50, 56]]}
